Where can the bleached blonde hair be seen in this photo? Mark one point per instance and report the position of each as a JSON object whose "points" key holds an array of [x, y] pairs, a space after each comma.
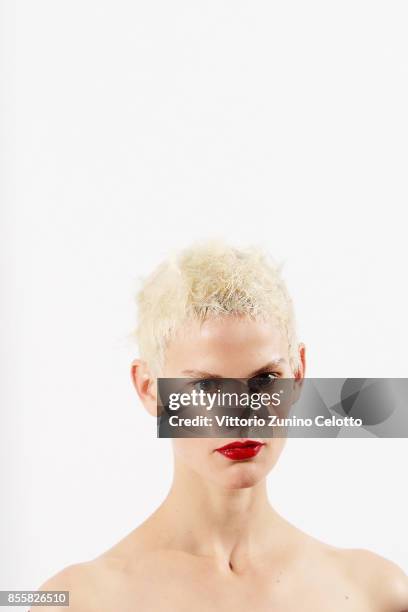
{"points": [[210, 279]]}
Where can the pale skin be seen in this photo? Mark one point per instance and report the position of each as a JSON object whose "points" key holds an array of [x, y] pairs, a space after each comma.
{"points": [[216, 543]]}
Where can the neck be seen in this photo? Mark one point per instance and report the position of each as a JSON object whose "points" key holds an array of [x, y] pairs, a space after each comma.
{"points": [[230, 525]]}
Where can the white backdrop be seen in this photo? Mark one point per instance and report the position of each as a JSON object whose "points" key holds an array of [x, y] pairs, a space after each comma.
{"points": [[133, 128]]}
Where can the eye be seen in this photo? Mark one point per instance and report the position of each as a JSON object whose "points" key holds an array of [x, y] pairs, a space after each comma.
{"points": [[262, 383], [208, 385]]}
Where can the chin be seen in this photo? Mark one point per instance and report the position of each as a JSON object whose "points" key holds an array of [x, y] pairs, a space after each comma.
{"points": [[243, 476]]}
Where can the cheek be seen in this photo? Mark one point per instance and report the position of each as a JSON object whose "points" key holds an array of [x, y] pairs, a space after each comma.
{"points": [[276, 446], [192, 450]]}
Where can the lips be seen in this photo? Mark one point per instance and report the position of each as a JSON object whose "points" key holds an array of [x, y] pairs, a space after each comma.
{"points": [[241, 449]]}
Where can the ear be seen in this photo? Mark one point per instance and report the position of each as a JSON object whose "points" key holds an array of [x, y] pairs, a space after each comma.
{"points": [[145, 385], [302, 362], [299, 374]]}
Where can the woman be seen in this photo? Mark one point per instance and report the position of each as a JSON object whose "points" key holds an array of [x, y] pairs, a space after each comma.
{"points": [[215, 543]]}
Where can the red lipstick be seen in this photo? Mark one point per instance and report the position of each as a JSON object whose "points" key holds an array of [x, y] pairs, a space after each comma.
{"points": [[241, 449]]}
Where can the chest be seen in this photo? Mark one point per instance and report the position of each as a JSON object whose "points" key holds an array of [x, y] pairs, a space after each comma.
{"points": [[205, 593]]}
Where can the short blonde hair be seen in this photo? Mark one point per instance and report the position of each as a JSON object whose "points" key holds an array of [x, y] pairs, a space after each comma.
{"points": [[210, 279]]}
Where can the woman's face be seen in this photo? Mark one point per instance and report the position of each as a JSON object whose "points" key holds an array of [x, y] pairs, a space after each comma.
{"points": [[228, 347]]}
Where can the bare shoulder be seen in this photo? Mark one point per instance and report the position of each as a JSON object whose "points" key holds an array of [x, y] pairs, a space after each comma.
{"points": [[83, 582], [385, 583], [99, 584], [378, 582]]}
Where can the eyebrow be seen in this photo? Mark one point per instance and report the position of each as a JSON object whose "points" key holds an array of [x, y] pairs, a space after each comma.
{"points": [[266, 368], [276, 363]]}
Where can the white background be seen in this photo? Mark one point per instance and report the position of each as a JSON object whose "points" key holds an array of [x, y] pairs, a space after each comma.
{"points": [[132, 128]]}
